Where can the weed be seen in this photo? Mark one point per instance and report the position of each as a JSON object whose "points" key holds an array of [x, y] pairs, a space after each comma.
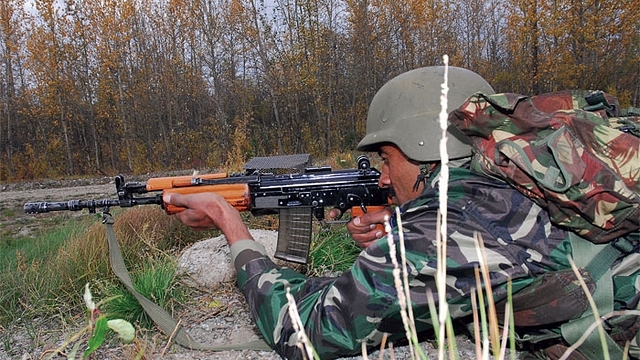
{"points": [[8, 212], [41, 276], [96, 329], [28, 273], [155, 280], [332, 251]]}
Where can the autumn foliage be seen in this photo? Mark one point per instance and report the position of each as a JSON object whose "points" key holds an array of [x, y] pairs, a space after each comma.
{"points": [[112, 86]]}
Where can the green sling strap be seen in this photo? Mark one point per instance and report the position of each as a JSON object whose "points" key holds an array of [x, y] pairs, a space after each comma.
{"points": [[159, 316], [597, 259]]}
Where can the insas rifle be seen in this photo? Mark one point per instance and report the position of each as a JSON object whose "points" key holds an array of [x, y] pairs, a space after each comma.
{"points": [[297, 197]]}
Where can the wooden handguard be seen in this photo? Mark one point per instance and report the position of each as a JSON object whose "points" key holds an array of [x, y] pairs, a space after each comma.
{"points": [[170, 182], [237, 195], [357, 211]]}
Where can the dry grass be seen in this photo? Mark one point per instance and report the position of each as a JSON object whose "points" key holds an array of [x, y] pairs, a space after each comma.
{"points": [[45, 278]]}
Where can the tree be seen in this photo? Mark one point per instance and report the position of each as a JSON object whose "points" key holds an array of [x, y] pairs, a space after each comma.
{"points": [[50, 63], [141, 85], [11, 36]]}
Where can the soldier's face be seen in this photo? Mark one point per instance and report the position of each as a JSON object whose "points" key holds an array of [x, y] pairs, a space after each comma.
{"points": [[399, 174]]}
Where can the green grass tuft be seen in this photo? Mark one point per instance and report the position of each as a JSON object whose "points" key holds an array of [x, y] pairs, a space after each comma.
{"points": [[29, 281], [155, 280], [45, 275], [332, 251]]}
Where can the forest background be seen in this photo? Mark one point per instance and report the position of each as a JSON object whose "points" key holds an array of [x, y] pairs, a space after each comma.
{"points": [[134, 86]]}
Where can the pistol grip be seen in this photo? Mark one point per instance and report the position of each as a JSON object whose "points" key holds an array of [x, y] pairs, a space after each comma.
{"points": [[358, 211]]}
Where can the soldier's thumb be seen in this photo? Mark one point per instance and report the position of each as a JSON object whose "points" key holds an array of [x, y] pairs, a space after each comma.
{"points": [[173, 199]]}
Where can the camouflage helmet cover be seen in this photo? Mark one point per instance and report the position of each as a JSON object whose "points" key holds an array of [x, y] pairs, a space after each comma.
{"points": [[405, 112]]}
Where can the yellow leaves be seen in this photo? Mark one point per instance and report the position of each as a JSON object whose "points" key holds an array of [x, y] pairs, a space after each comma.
{"points": [[177, 83], [240, 146], [566, 44]]}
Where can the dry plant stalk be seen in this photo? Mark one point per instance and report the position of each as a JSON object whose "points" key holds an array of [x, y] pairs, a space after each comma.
{"points": [[405, 278], [483, 347], [441, 240], [476, 317], [303, 343], [494, 332], [400, 289], [597, 323], [382, 345], [505, 331], [491, 336]]}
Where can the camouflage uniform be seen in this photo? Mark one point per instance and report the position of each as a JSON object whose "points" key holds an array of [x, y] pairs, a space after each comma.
{"points": [[521, 242], [339, 313], [573, 153]]}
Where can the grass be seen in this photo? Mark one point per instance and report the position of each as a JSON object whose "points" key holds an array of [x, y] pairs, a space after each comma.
{"points": [[8, 212], [332, 251], [155, 280], [29, 283], [44, 275]]}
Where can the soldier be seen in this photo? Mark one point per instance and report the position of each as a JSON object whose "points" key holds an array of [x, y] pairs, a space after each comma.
{"points": [[340, 313]]}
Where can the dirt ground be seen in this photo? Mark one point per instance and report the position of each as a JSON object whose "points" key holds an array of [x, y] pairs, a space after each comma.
{"points": [[218, 316]]}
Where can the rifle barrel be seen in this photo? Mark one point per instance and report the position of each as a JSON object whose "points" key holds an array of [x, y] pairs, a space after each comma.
{"points": [[72, 205]]}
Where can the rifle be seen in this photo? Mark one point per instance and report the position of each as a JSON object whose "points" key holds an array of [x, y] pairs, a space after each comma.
{"points": [[296, 197]]}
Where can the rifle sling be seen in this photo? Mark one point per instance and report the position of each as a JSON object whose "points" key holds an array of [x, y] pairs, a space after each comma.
{"points": [[160, 317], [597, 259]]}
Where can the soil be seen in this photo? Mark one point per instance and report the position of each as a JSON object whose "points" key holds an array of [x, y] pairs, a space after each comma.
{"points": [[217, 314]]}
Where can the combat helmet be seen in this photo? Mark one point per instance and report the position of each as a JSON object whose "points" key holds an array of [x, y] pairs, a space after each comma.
{"points": [[405, 112]]}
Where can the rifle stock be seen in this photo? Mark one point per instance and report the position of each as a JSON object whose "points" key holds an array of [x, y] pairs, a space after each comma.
{"points": [[297, 197]]}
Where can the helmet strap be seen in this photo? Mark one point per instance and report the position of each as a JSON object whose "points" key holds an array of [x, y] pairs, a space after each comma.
{"points": [[425, 171]]}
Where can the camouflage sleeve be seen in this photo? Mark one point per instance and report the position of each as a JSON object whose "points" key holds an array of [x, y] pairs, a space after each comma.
{"points": [[340, 313]]}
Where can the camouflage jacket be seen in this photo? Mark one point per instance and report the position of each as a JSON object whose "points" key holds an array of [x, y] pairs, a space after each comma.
{"points": [[339, 313], [582, 166]]}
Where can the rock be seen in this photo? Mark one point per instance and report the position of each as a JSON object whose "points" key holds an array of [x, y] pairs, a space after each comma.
{"points": [[207, 263]]}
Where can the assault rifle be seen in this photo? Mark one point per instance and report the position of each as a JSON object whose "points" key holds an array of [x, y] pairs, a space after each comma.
{"points": [[297, 197]]}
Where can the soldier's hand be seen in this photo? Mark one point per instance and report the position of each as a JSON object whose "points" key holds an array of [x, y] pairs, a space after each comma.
{"points": [[365, 229], [209, 211]]}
